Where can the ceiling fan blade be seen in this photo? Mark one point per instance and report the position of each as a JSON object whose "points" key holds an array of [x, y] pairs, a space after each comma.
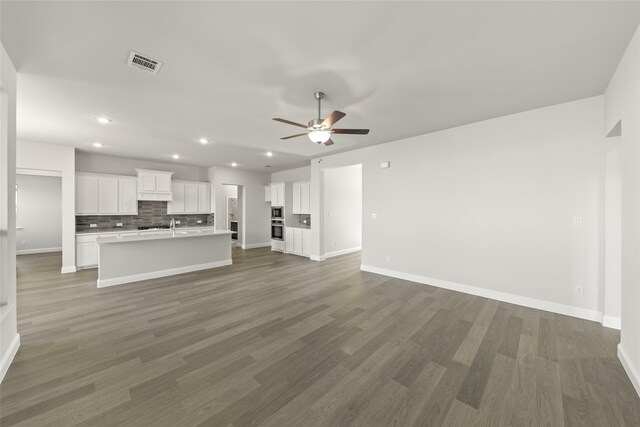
{"points": [[329, 142], [332, 118], [289, 122], [351, 131], [294, 136]]}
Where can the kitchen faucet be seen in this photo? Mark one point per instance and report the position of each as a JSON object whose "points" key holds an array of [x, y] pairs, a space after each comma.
{"points": [[172, 224]]}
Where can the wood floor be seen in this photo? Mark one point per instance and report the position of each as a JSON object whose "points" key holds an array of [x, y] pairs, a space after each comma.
{"points": [[279, 340]]}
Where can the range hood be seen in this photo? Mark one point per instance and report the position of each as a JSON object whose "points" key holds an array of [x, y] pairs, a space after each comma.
{"points": [[154, 185]]}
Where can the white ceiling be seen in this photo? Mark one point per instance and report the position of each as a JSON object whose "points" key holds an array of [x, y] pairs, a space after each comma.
{"points": [[400, 69]]}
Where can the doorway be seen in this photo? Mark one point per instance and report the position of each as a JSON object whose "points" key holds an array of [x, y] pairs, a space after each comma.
{"points": [[342, 216], [38, 213], [612, 295], [231, 217]]}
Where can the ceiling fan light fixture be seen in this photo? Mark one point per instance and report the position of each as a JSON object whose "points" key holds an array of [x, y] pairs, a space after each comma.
{"points": [[319, 136]]}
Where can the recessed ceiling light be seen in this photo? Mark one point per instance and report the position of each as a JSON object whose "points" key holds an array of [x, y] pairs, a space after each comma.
{"points": [[176, 156], [269, 154], [98, 145], [204, 141], [103, 120], [234, 164]]}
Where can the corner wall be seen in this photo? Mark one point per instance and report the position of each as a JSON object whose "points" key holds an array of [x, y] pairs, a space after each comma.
{"points": [[49, 157], [622, 103], [9, 337]]}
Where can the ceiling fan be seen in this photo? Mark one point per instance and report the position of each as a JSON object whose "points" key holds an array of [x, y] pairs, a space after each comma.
{"points": [[319, 131]]}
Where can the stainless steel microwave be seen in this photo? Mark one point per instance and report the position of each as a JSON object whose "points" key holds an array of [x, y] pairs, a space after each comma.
{"points": [[277, 212]]}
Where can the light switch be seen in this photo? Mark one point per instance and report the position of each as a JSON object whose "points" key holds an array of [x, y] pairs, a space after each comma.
{"points": [[577, 220], [374, 216], [385, 165]]}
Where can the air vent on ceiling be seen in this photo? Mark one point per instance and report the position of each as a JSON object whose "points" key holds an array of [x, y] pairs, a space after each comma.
{"points": [[144, 63]]}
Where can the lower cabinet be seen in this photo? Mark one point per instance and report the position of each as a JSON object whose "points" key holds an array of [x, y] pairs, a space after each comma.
{"points": [[298, 241]]}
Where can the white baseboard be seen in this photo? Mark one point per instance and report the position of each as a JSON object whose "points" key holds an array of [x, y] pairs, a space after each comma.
{"points": [[37, 251], [553, 307], [611, 322], [317, 257], [341, 252], [256, 245], [632, 372], [8, 357], [68, 269], [102, 283]]}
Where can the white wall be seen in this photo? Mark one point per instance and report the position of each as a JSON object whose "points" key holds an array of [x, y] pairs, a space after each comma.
{"points": [[291, 175], [342, 210], [9, 337], [99, 163], [49, 157], [256, 228], [39, 214], [488, 208], [622, 103]]}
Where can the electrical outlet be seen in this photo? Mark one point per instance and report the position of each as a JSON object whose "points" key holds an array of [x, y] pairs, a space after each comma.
{"points": [[577, 220], [388, 258], [118, 224], [199, 221], [374, 216], [93, 225], [579, 290], [177, 222], [23, 243]]}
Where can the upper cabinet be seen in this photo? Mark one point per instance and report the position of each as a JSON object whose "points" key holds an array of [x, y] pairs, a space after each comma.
{"points": [[154, 185], [301, 198], [190, 198], [98, 194], [277, 194]]}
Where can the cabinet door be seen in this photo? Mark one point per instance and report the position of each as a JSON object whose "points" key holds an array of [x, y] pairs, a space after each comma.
{"points": [[296, 198], [288, 238], [127, 197], [281, 194], [297, 241], [86, 254], [86, 194], [267, 193], [274, 194], [306, 242], [108, 195], [146, 181], [305, 198], [191, 198], [177, 204], [204, 199], [163, 183]]}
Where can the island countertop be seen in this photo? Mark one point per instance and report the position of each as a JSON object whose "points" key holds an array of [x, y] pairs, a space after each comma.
{"points": [[163, 235]]}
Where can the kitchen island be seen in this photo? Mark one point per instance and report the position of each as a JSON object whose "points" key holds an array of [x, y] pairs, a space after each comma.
{"points": [[126, 259]]}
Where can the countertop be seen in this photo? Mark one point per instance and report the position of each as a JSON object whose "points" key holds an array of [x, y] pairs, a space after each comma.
{"points": [[179, 234], [117, 230]]}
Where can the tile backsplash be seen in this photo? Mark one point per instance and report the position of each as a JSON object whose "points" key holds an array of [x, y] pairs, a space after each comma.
{"points": [[149, 213]]}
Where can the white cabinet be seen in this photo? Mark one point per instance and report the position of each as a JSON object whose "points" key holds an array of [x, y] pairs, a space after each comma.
{"points": [[298, 241], [277, 194], [98, 194], [86, 251], [267, 193], [127, 197], [154, 185], [108, 196], [301, 198], [204, 198], [190, 198], [86, 194]]}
